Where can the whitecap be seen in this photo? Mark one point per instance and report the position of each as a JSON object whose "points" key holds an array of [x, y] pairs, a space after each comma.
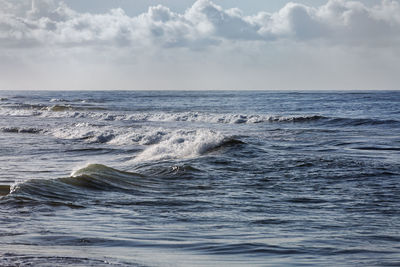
{"points": [[183, 144]]}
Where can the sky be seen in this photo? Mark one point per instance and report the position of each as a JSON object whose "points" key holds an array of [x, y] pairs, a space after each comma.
{"points": [[199, 45]]}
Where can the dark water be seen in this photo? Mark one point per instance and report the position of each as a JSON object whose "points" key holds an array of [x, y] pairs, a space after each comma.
{"points": [[200, 178]]}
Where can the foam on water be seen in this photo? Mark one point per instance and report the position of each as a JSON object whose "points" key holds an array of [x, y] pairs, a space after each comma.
{"points": [[68, 100], [84, 131], [140, 136], [164, 143], [6, 112], [69, 111], [118, 136], [97, 113], [58, 100], [183, 144], [215, 118]]}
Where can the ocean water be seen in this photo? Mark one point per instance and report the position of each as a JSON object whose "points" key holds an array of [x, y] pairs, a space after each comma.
{"points": [[227, 178]]}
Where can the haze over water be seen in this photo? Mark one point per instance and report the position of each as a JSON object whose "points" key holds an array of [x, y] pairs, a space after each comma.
{"points": [[199, 178]]}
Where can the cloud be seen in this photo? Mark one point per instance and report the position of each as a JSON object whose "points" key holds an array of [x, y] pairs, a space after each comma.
{"points": [[339, 45], [53, 23]]}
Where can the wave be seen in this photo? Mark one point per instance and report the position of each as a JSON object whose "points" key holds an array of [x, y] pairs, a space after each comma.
{"points": [[77, 131], [58, 108], [92, 133], [86, 184], [27, 109], [68, 100], [10, 107], [20, 130], [362, 121], [94, 112], [186, 144], [81, 184], [228, 118], [102, 177], [158, 143], [220, 118], [59, 100], [63, 110]]}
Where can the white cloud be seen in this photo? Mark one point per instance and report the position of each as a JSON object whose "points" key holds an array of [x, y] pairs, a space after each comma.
{"points": [[340, 45], [53, 23]]}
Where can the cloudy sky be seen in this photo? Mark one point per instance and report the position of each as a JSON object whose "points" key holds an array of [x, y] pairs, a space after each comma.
{"points": [[202, 45]]}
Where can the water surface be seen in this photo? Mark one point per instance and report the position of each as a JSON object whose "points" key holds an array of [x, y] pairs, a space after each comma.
{"points": [[170, 178]]}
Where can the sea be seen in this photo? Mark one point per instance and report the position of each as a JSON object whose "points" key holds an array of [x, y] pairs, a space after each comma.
{"points": [[200, 178]]}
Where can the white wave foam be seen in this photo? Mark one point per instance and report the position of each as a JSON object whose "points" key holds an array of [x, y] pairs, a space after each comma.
{"points": [[160, 144], [19, 112], [140, 136], [214, 118], [182, 144], [15, 186], [219, 118], [58, 100], [66, 112], [77, 170], [85, 131], [68, 100], [108, 134]]}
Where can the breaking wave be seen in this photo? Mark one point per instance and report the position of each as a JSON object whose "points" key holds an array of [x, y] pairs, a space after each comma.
{"points": [[20, 130], [185, 144], [160, 143], [94, 112], [216, 118], [27, 109], [62, 110], [82, 183], [85, 185], [68, 100]]}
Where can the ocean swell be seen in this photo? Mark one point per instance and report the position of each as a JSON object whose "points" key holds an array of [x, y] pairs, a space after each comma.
{"points": [[81, 184]]}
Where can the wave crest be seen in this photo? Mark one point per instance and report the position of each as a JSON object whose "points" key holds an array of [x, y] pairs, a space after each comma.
{"points": [[184, 144], [20, 130], [66, 191], [62, 110]]}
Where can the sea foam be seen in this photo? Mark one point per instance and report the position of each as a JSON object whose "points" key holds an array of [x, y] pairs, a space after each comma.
{"points": [[68, 111], [183, 144]]}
